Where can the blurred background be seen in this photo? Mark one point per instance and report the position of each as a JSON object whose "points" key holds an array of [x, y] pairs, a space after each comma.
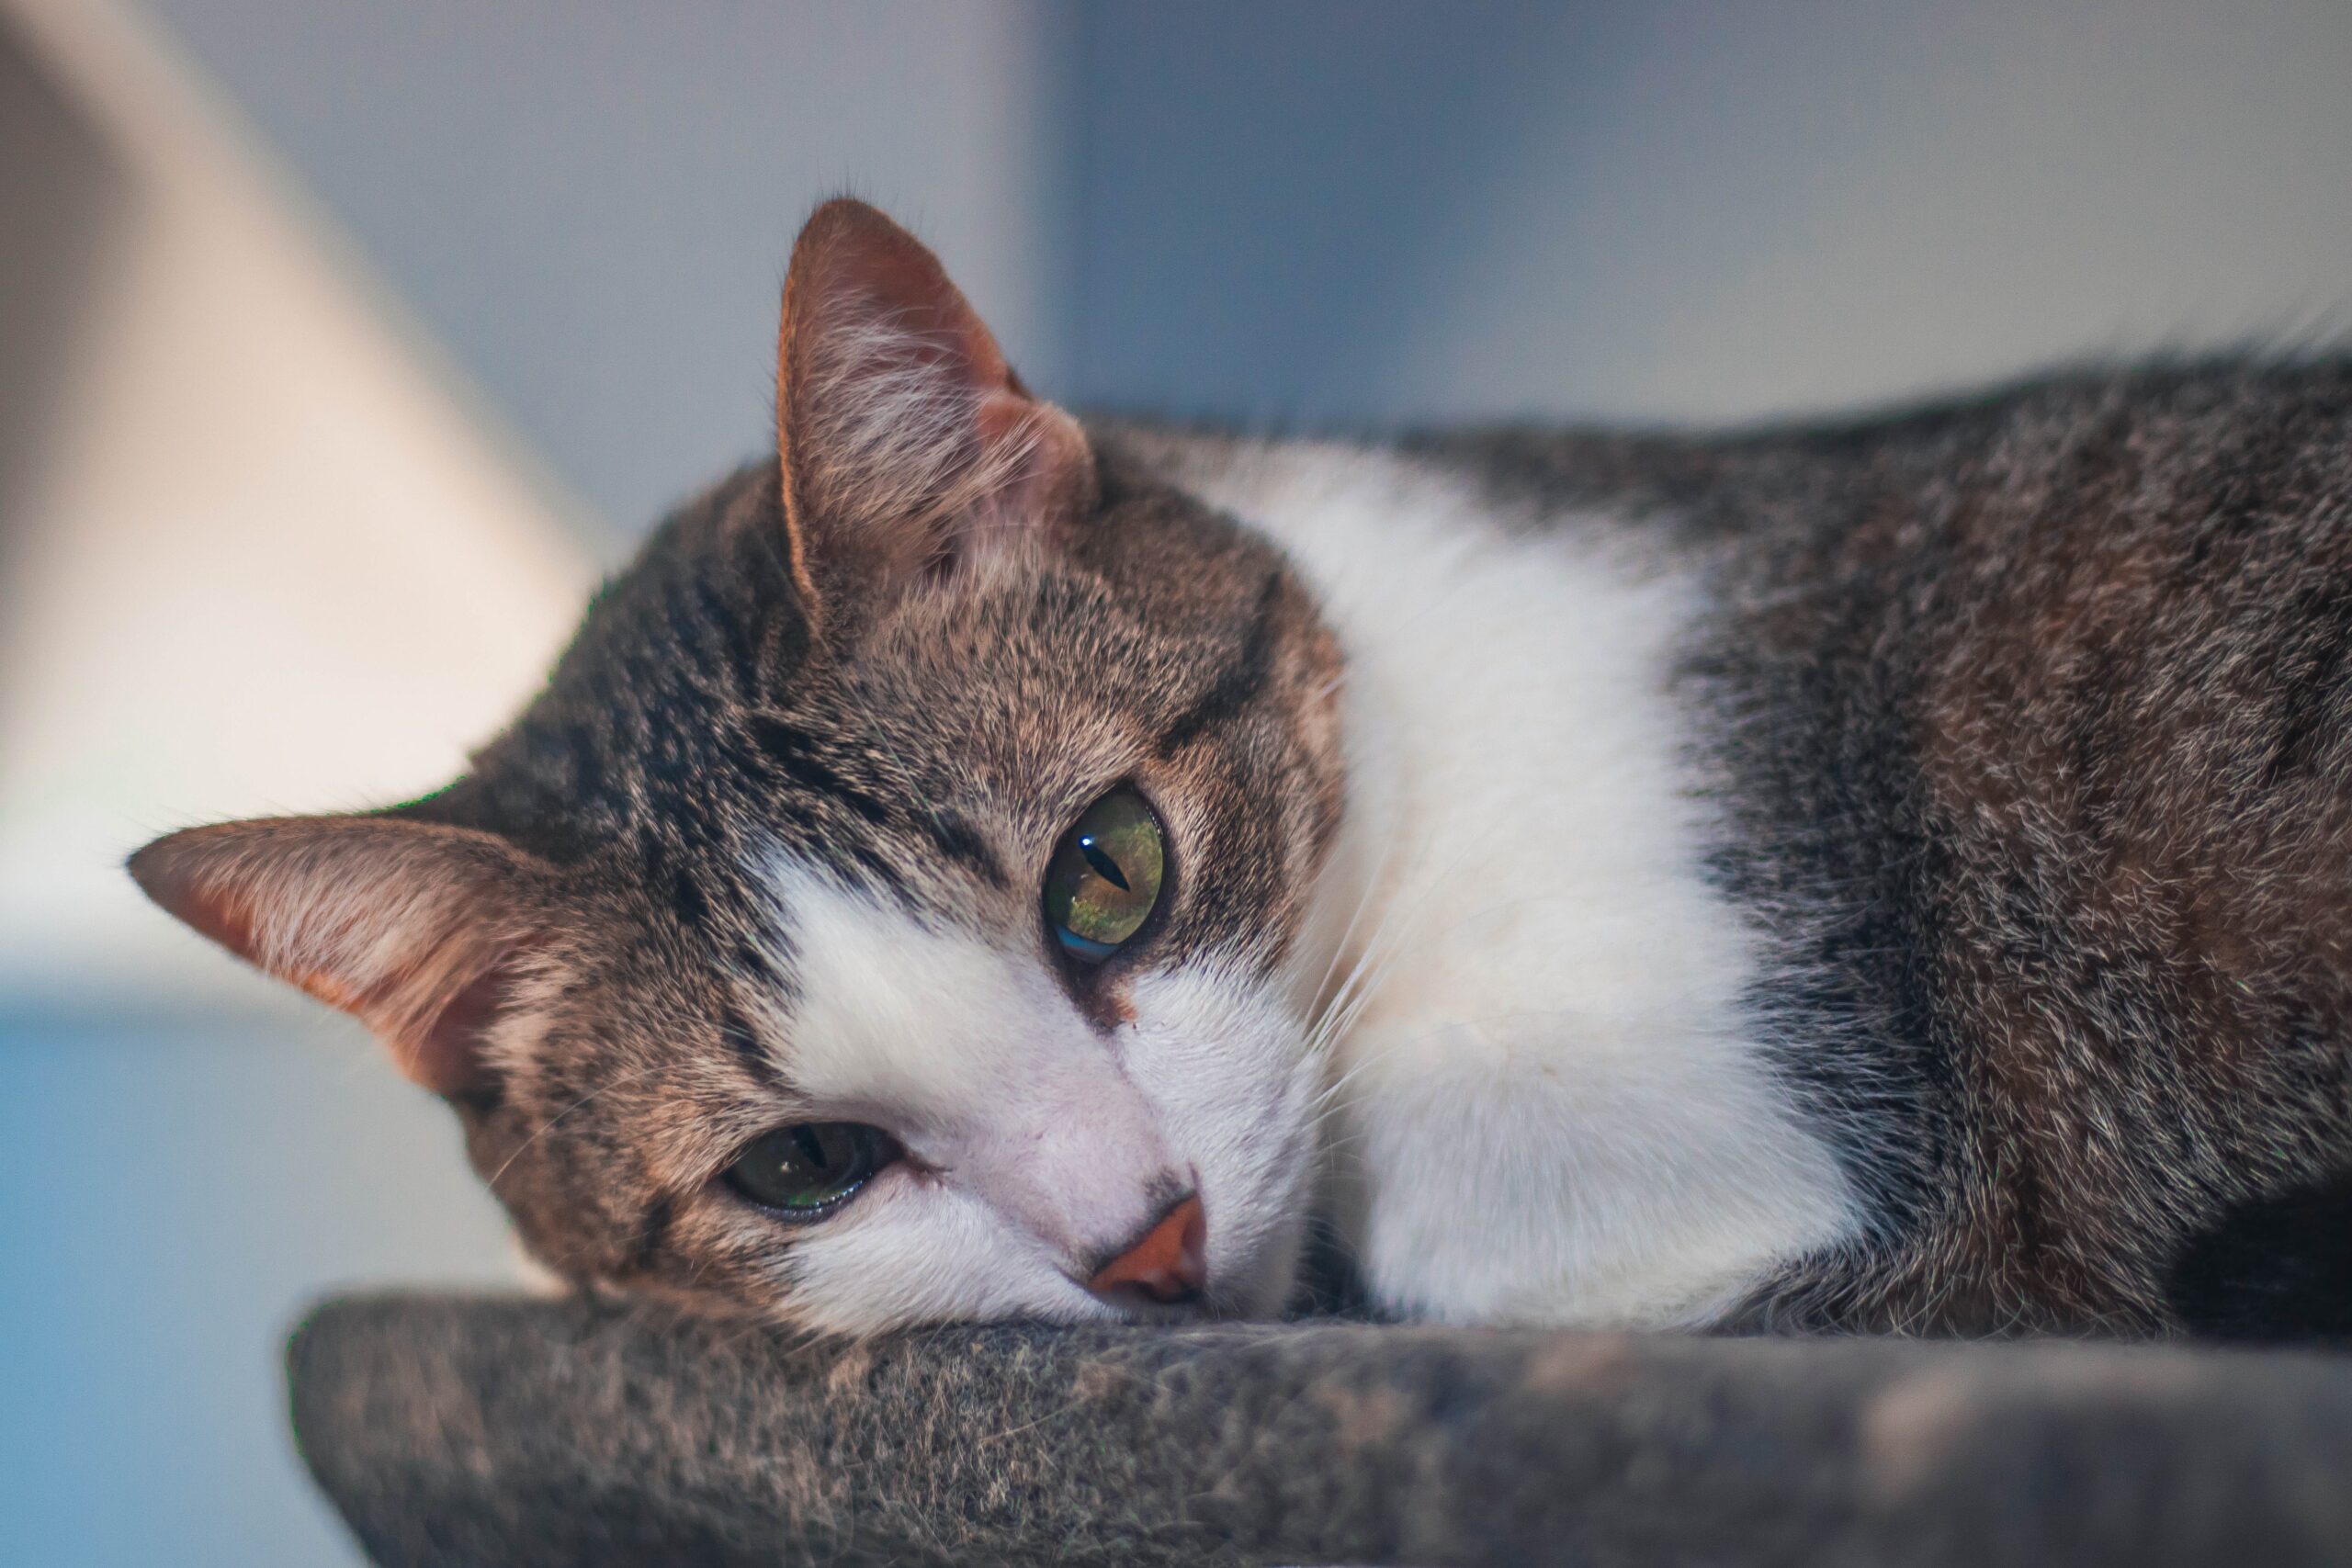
{"points": [[342, 345]]}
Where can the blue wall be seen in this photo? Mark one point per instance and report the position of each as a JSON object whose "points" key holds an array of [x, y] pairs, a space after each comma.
{"points": [[1691, 209], [1261, 188], [172, 1192], [1318, 211]]}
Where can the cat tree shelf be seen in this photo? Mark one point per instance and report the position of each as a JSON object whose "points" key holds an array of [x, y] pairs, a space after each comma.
{"points": [[478, 1431]]}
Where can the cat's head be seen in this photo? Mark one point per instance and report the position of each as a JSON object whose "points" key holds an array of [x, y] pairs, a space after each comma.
{"points": [[883, 914]]}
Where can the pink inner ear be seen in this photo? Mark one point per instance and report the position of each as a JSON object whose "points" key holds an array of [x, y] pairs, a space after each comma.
{"points": [[1054, 479], [446, 1054], [852, 266], [437, 1041], [413, 930], [905, 440]]}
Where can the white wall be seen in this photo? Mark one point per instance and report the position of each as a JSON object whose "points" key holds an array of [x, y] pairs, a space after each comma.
{"points": [[260, 557], [1318, 208], [1856, 201], [589, 202]]}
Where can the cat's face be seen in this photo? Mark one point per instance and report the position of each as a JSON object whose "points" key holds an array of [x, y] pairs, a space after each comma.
{"points": [[887, 914]]}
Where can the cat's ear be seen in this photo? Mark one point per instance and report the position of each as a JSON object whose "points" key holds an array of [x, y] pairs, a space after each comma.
{"points": [[907, 444], [419, 931]]}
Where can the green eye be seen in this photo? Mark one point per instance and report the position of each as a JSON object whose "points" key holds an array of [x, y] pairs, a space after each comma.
{"points": [[811, 1168], [1104, 878]]}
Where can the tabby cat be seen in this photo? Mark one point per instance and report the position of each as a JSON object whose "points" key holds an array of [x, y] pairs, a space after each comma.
{"points": [[1892, 874]]}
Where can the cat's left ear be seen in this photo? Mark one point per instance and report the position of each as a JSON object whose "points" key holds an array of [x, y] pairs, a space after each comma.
{"points": [[418, 930], [906, 445]]}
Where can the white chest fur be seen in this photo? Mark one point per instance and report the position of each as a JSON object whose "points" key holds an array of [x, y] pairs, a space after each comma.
{"points": [[1547, 1103]]}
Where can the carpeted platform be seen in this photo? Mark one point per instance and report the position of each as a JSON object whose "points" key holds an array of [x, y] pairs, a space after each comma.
{"points": [[510, 1433]]}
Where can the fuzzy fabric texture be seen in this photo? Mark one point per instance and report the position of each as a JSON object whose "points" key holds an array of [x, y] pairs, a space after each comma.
{"points": [[488, 1432]]}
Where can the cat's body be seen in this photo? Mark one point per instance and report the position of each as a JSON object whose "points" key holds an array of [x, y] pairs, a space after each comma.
{"points": [[1890, 875]]}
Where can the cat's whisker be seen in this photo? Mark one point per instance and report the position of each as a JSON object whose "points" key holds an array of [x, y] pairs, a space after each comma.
{"points": [[1341, 1022], [1399, 905], [548, 1125], [1374, 889], [1344, 1019], [1407, 907], [1322, 995]]}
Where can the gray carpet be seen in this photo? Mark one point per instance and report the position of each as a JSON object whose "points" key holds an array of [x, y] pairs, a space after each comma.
{"points": [[489, 1431]]}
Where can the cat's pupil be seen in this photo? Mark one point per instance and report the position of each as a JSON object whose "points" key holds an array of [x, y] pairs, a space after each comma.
{"points": [[1104, 866], [1104, 878]]}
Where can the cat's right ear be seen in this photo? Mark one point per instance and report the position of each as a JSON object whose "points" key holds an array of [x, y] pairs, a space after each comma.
{"points": [[907, 445], [420, 930]]}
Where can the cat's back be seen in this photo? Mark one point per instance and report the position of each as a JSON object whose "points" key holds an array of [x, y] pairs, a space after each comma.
{"points": [[2056, 740]]}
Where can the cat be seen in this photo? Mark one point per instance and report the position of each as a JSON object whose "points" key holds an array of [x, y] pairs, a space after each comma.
{"points": [[1892, 874]]}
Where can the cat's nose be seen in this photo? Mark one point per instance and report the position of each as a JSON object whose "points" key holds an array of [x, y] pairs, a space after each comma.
{"points": [[1167, 1264]]}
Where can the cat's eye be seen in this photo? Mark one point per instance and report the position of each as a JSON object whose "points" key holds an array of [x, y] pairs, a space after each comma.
{"points": [[1104, 878], [809, 1169]]}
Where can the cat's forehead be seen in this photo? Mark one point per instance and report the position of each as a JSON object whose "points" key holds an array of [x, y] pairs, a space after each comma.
{"points": [[696, 727], [964, 744], [1028, 687]]}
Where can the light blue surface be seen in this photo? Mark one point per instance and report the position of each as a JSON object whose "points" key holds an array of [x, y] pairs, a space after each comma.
{"points": [[171, 1196]]}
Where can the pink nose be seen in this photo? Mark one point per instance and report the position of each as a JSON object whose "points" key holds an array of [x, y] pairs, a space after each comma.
{"points": [[1168, 1264]]}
